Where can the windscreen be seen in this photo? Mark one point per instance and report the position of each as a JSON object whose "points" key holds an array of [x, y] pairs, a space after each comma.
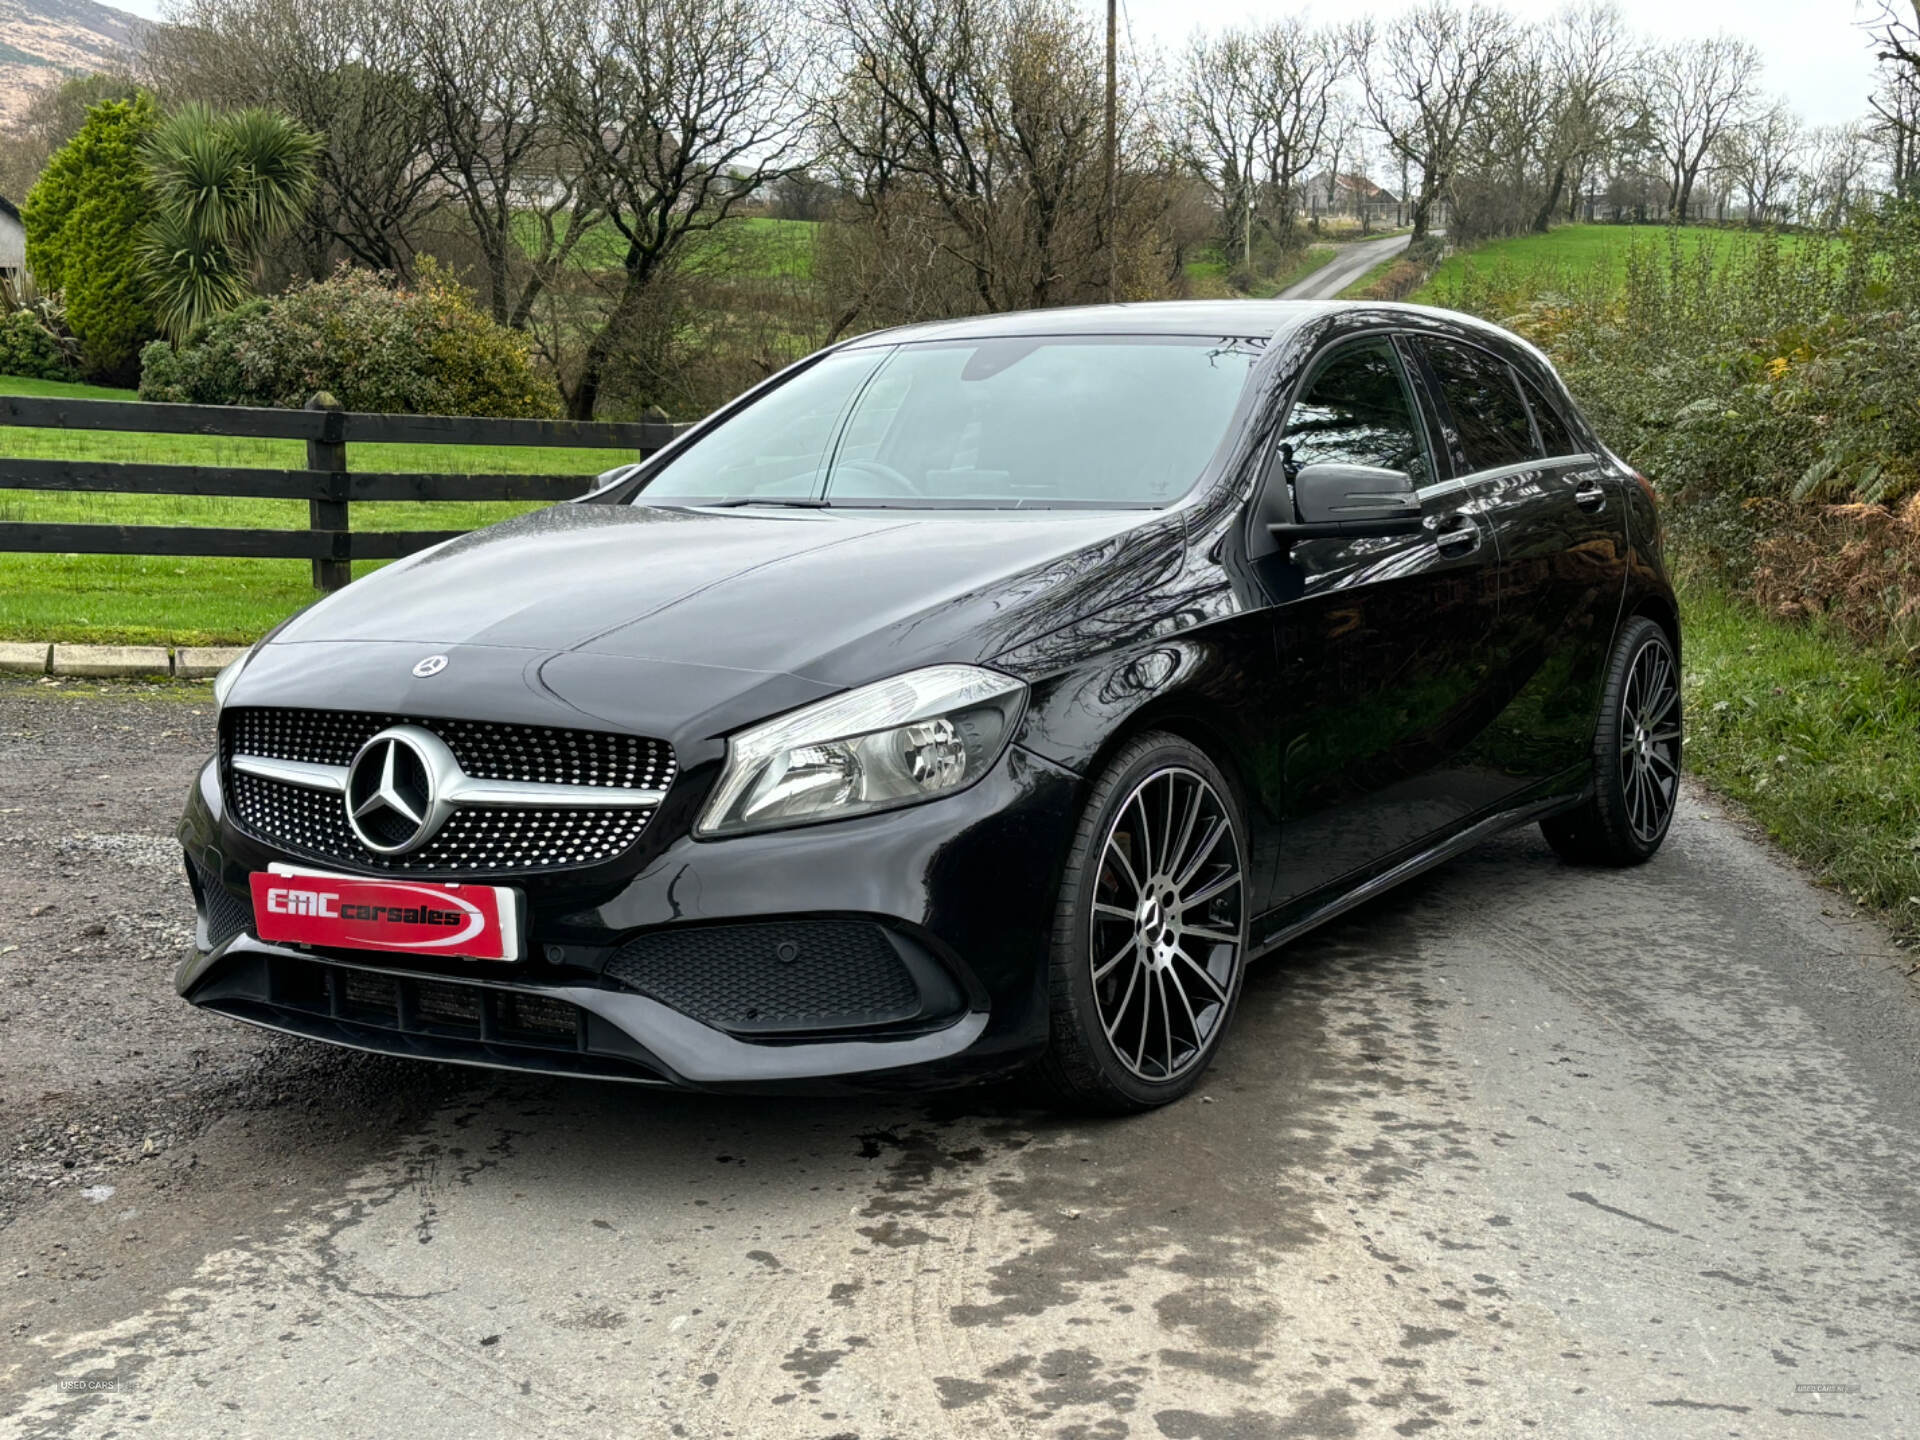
{"points": [[1073, 420]]}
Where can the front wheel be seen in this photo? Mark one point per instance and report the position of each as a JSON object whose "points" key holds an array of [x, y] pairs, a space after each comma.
{"points": [[1636, 756], [1150, 935]]}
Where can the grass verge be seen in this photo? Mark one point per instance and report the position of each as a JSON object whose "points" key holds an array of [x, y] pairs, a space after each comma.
{"points": [[1315, 257], [131, 599], [1816, 737]]}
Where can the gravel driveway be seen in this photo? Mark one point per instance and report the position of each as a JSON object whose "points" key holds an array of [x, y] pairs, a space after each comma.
{"points": [[1519, 1150]]}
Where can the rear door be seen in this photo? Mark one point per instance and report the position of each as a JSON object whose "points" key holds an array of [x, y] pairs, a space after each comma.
{"points": [[1384, 643], [1559, 522]]}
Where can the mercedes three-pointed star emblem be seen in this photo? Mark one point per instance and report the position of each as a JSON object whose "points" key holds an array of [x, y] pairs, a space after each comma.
{"points": [[397, 789]]}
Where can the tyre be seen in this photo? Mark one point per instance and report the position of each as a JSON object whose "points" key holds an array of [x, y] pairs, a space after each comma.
{"points": [[1636, 756], [1150, 936]]}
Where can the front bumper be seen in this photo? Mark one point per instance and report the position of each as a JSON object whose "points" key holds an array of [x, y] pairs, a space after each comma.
{"points": [[960, 890]]}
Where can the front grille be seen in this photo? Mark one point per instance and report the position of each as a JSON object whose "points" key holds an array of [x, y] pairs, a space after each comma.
{"points": [[422, 1006], [475, 840], [779, 976], [227, 914], [485, 750]]}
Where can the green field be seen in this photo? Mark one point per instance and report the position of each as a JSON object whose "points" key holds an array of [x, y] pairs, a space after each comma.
{"points": [[1567, 254], [204, 601], [754, 246]]}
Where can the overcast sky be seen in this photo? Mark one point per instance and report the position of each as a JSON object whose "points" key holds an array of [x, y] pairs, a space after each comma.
{"points": [[1814, 53]]}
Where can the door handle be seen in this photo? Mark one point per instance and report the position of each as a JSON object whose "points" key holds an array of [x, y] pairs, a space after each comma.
{"points": [[1590, 496], [1458, 536]]}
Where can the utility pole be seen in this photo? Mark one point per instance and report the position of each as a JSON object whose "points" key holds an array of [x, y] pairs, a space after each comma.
{"points": [[1113, 157]]}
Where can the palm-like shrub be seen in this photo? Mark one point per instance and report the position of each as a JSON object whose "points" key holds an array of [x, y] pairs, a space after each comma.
{"points": [[224, 187]]}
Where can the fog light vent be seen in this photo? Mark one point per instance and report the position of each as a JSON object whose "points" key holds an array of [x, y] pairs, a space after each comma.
{"points": [[781, 976]]}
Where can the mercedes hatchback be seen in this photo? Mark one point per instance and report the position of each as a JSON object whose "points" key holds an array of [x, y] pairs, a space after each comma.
{"points": [[972, 698]]}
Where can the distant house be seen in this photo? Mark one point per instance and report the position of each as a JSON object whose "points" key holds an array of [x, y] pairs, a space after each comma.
{"points": [[1352, 195], [13, 247]]}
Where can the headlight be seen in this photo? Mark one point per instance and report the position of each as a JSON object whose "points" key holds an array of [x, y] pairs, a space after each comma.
{"points": [[896, 742], [223, 682]]}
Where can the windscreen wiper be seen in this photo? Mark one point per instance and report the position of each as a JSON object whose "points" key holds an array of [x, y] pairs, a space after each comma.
{"points": [[736, 501]]}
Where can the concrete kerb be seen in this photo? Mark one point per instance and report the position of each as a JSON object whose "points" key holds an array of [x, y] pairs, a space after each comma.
{"points": [[115, 662]]}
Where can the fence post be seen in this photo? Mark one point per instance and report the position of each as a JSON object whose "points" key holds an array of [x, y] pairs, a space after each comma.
{"points": [[652, 415], [327, 457]]}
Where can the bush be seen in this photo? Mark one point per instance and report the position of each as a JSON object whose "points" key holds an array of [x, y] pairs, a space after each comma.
{"points": [[83, 220], [29, 348], [1767, 388], [372, 344]]}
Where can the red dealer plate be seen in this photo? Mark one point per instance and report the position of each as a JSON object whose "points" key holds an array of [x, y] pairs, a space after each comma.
{"points": [[305, 907]]}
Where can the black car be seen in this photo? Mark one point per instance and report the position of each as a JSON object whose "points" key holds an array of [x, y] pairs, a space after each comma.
{"points": [[970, 698]]}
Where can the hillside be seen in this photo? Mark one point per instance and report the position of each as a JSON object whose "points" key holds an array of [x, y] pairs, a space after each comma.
{"points": [[42, 40]]}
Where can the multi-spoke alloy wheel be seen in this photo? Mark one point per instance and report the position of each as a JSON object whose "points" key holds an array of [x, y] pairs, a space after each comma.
{"points": [[1650, 740], [1165, 939], [1636, 756], [1152, 932]]}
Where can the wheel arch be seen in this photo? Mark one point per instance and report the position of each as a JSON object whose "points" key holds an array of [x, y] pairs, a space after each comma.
{"points": [[1660, 609], [1182, 715]]}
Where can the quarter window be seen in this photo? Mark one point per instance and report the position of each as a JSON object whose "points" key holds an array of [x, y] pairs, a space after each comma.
{"points": [[1555, 437], [1355, 410], [1488, 413]]}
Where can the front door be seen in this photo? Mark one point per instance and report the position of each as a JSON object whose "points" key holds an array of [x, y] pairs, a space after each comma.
{"points": [[1383, 642]]}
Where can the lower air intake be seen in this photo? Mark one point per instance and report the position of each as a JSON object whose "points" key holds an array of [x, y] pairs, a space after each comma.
{"points": [[777, 977]]}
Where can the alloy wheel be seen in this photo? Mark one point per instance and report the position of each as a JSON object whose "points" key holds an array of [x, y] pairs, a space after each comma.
{"points": [[1650, 740], [1167, 932]]}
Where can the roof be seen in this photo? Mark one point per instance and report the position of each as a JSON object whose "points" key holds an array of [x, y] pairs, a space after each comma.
{"points": [[7, 208], [1206, 319], [1365, 186], [1243, 318]]}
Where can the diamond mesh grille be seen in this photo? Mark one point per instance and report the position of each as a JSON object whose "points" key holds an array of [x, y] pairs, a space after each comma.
{"points": [[475, 840], [485, 750], [789, 975]]}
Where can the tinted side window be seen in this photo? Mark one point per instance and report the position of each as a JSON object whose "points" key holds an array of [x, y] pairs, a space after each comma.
{"points": [[1487, 410], [1355, 410], [1555, 437]]}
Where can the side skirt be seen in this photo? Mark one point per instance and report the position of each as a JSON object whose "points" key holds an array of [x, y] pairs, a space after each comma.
{"points": [[1319, 913]]}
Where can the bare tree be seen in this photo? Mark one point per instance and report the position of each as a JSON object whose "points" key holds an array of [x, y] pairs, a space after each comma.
{"points": [[1221, 124], [487, 70], [1762, 156], [969, 133], [53, 117], [1256, 105], [679, 113], [1896, 38], [1693, 92], [1896, 107], [1839, 158], [1497, 185], [1590, 60], [1342, 147], [1425, 78]]}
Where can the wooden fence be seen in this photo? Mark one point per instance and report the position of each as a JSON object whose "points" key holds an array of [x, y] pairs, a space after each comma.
{"points": [[326, 483]]}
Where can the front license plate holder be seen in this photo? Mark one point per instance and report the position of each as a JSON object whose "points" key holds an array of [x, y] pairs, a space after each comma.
{"points": [[406, 917]]}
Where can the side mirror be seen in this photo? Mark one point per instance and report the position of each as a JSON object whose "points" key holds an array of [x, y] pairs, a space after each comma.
{"points": [[1332, 494]]}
